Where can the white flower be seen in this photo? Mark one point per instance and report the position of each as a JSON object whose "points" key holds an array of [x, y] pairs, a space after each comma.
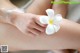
{"points": [[52, 20]]}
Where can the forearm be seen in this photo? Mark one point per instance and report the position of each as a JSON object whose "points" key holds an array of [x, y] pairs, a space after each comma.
{"points": [[71, 28], [4, 16], [9, 16], [7, 5], [39, 7], [68, 37], [61, 8], [71, 34]]}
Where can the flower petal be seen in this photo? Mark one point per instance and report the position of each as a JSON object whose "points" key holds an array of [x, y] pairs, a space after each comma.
{"points": [[44, 19], [50, 13], [58, 18], [56, 27], [50, 30]]}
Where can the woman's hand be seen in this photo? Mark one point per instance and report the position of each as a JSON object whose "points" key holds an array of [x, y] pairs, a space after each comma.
{"points": [[27, 23]]}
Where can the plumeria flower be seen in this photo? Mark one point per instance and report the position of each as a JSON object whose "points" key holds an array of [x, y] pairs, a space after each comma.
{"points": [[52, 21]]}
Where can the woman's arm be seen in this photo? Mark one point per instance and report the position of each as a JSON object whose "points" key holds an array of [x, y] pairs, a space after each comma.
{"points": [[68, 37], [5, 4]]}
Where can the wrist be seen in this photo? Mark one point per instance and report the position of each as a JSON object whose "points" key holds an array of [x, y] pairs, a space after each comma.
{"points": [[9, 16], [13, 15]]}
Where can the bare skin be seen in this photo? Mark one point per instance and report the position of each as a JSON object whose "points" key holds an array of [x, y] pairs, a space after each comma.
{"points": [[67, 40], [42, 6], [43, 38], [36, 12]]}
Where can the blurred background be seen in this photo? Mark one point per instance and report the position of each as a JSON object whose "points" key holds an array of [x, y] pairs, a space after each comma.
{"points": [[22, 3], [74, 9]]}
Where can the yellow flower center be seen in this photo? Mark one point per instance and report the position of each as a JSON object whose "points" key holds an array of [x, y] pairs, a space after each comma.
{"points": [[51, 21]]}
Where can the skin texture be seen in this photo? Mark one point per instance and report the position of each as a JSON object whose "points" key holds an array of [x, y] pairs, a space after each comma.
{"points": [[23, 27], [42, 42], [32, 25], [67, 35], [42, 6], [67, 40]]}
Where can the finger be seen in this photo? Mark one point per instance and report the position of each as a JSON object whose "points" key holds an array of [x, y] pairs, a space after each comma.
{"points": [[34, 31], [30, 34], [39, 28], [36, 19], [36, 26]]}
